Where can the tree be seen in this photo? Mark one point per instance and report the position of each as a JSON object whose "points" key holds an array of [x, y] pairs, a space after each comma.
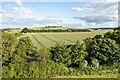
{"points": [[60, 53], [16, 56], [70, 55], [25, 30], [34, 71], [115, 35], [9, 42], [25, 50], [78, 54], [48, 68], [105, 50]]}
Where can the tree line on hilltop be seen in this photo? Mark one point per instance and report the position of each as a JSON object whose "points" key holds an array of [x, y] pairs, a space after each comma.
{"points": [[26, 30]]}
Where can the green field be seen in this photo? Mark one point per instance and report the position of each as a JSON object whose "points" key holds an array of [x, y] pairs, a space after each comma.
{"points": [[47, 40]]}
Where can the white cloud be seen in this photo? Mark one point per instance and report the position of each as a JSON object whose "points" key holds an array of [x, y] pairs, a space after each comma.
{"points": [[2, 11], [106, 25], [106, 13], [19, 2], [22, 10], [22, 21], [109, 0], [102, 13], [81, 9], [104, 7], [97, 6], [92, 24], [23, 16], [98, 19]]}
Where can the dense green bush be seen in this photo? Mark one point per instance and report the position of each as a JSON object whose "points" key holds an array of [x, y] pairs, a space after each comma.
{"points": [[9, 42], [95, 63], [105, 50], [48, 68], [83, 64], [115, 35], [70, 55]]}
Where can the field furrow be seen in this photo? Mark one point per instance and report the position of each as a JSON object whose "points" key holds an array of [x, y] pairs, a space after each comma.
{"points": [[48, 43], [58, 39], [68, 40], [71, 36], [34, 41], [49, 38], [38, 41]]}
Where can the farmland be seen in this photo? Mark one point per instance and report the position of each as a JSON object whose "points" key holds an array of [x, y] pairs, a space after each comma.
{"points": [[92, 59], [59, 40], [42, 40]]}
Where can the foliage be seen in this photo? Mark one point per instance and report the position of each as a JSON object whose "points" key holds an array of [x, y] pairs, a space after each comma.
{"points": [[50, 69], [9, 42], [70, 55], [114, 36], [18, 34], [95, 63], [117, 28], [25, 50], [83, 64], [53, 26], [26, 30], [16, 54], [105, 50]]}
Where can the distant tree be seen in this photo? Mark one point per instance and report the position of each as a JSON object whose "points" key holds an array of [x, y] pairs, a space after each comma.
{"points": [[25, 30], [117, 28]]}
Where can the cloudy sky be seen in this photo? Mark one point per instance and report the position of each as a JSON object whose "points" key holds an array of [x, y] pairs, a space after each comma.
{"points": [[82, 14]]}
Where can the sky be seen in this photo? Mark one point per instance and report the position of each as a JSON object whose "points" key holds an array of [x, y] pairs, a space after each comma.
{"points": [[80, 14]]}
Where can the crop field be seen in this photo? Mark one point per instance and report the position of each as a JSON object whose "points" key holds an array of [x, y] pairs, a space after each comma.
{"points": [[47, 40]]}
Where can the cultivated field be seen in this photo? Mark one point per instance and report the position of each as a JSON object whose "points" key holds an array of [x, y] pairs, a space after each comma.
{"points": [[42, 40]]}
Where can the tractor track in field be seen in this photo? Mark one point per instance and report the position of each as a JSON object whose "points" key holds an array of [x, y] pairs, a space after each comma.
{"points": [[38, 41], [48, 38], [62, 38]]}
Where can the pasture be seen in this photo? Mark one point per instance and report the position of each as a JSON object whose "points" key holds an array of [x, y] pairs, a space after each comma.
{"points": [[47, 40]]}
